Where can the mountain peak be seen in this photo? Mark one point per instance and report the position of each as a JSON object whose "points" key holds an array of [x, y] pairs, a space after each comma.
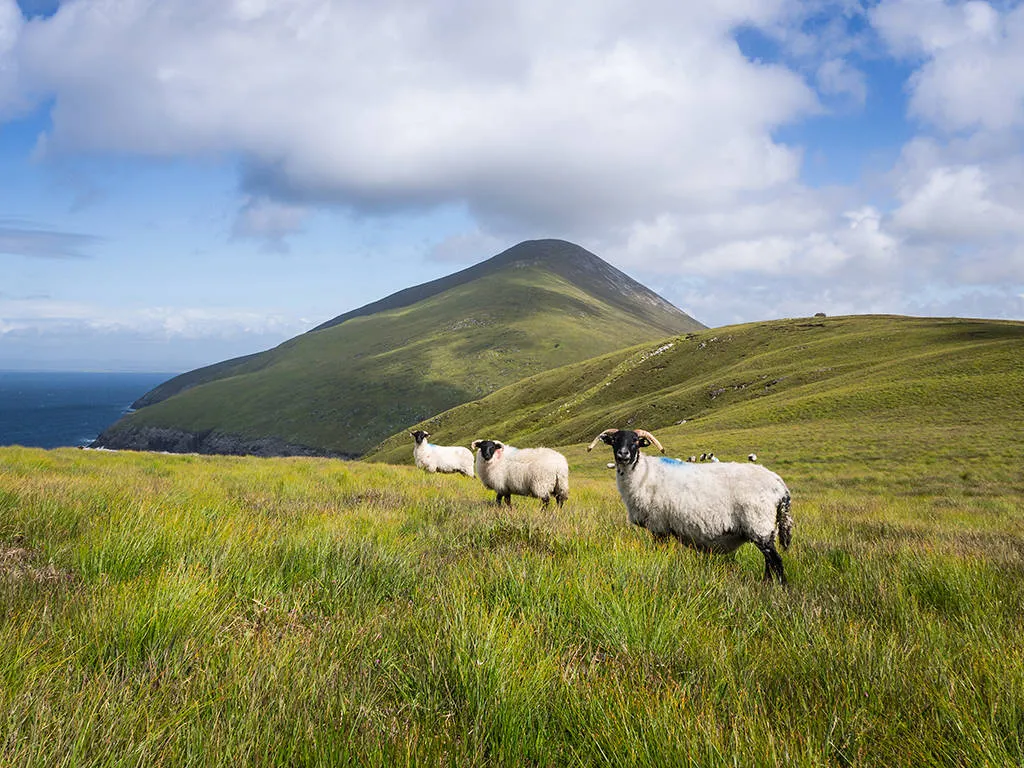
{"points": [[535, 306], [568, 260], [549, 250]]}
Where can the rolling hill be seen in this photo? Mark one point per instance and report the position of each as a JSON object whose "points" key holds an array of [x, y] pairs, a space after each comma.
{"points": [[864, 389], [352, 381]]}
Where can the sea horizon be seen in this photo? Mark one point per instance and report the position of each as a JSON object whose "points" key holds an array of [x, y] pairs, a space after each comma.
{"points": [[54, 409]]}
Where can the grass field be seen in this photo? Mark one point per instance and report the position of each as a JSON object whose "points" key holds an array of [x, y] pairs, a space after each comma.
{"points": [[181, 610]]}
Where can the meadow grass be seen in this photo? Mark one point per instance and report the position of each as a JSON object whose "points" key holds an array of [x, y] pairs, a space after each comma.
{"points": [[180, 610]]}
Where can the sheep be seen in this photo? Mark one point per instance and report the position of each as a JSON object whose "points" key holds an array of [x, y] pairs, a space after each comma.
{"points": [[538, 472], [751, 457], [441, 458], [711, 507]]}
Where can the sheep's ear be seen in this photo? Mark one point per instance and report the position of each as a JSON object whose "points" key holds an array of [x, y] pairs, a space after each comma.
{"points": [[499, 443], [643, 442], [607, 439], [475, 444]]}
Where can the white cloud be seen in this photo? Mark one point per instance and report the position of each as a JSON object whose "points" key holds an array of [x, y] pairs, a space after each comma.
{"points": [[636, 128], [11, 24], [972, 75], [956, 204], [269, 220], [837, 77], [44, 316], [528, 113]]}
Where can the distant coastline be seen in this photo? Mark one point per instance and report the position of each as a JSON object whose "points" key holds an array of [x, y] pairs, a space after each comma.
{"points": [[52, 409]]}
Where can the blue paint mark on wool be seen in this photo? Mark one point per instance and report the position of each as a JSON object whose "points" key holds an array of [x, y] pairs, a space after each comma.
{"points": [[667, 460]]}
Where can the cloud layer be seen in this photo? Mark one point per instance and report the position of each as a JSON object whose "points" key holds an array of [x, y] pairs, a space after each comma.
{"points": [[639, 129]]}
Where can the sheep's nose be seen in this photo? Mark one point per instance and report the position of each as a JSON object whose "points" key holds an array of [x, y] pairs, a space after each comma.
{"points": [[622, 454]]}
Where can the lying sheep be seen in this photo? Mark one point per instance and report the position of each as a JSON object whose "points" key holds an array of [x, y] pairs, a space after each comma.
{"points": [[538, 472], [441, 458], [712, 507]]}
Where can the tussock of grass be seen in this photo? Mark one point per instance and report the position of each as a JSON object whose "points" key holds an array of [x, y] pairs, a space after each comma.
{"points": [[222, 611]]}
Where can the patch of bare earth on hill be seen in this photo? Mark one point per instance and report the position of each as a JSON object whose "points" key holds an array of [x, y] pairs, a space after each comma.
{"points": [[19, 564]]}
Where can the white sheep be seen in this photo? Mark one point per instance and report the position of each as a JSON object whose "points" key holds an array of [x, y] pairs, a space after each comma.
{"points": [[713, 507], [538, 472], [441, 458]]}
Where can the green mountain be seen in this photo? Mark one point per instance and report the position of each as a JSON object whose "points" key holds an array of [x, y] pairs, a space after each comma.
{"points": [[862, 388], [352, 381]]}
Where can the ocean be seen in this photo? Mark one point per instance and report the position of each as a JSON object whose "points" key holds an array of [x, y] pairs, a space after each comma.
{"points": [[49, 410]]}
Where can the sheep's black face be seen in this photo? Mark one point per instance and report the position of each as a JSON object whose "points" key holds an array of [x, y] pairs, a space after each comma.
{"points": [[626, 445], [487, 448], [419, 436]]}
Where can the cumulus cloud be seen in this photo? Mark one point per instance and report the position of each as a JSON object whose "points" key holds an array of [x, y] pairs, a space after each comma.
{"points": [[638, 129], [972, 71], [11, 23], [837, 77], [528, 113], [955, 203]]}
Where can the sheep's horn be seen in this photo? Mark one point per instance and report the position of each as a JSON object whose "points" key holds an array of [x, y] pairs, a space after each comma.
{"points": [[596, 439], [652, 438]]}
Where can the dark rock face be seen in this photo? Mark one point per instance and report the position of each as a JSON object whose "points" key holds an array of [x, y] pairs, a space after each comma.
{"points": [[171, 440]]}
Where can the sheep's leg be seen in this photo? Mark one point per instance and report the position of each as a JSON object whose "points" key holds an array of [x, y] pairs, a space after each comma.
{"points": [[508, 500], [544, 500], [772, 561]]}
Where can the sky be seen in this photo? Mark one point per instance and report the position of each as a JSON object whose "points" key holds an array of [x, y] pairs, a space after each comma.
{"points": [[186, 181]]}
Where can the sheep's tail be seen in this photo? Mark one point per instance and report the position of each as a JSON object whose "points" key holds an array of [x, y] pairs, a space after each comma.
{"points": [[561, 486], [784, 520]]}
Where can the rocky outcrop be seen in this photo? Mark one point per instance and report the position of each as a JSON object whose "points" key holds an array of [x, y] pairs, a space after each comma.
{"points": [[170, 440]]}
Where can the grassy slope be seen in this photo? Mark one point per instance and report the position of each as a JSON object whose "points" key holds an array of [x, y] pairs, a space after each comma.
{"points": [[345, 388], [171, 610], [880, 384], [209, 611]]}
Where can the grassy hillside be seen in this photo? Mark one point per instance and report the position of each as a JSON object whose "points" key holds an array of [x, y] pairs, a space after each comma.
{"points": [[863, 388], [344, 388], [213, 611]]}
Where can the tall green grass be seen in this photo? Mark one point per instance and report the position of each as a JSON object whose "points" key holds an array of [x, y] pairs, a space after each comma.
{"points": [[181, 610]]}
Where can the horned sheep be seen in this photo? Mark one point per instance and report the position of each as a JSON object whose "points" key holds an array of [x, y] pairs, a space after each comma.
{"points": [[441, 458], [713, 507], [539, 472]]}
